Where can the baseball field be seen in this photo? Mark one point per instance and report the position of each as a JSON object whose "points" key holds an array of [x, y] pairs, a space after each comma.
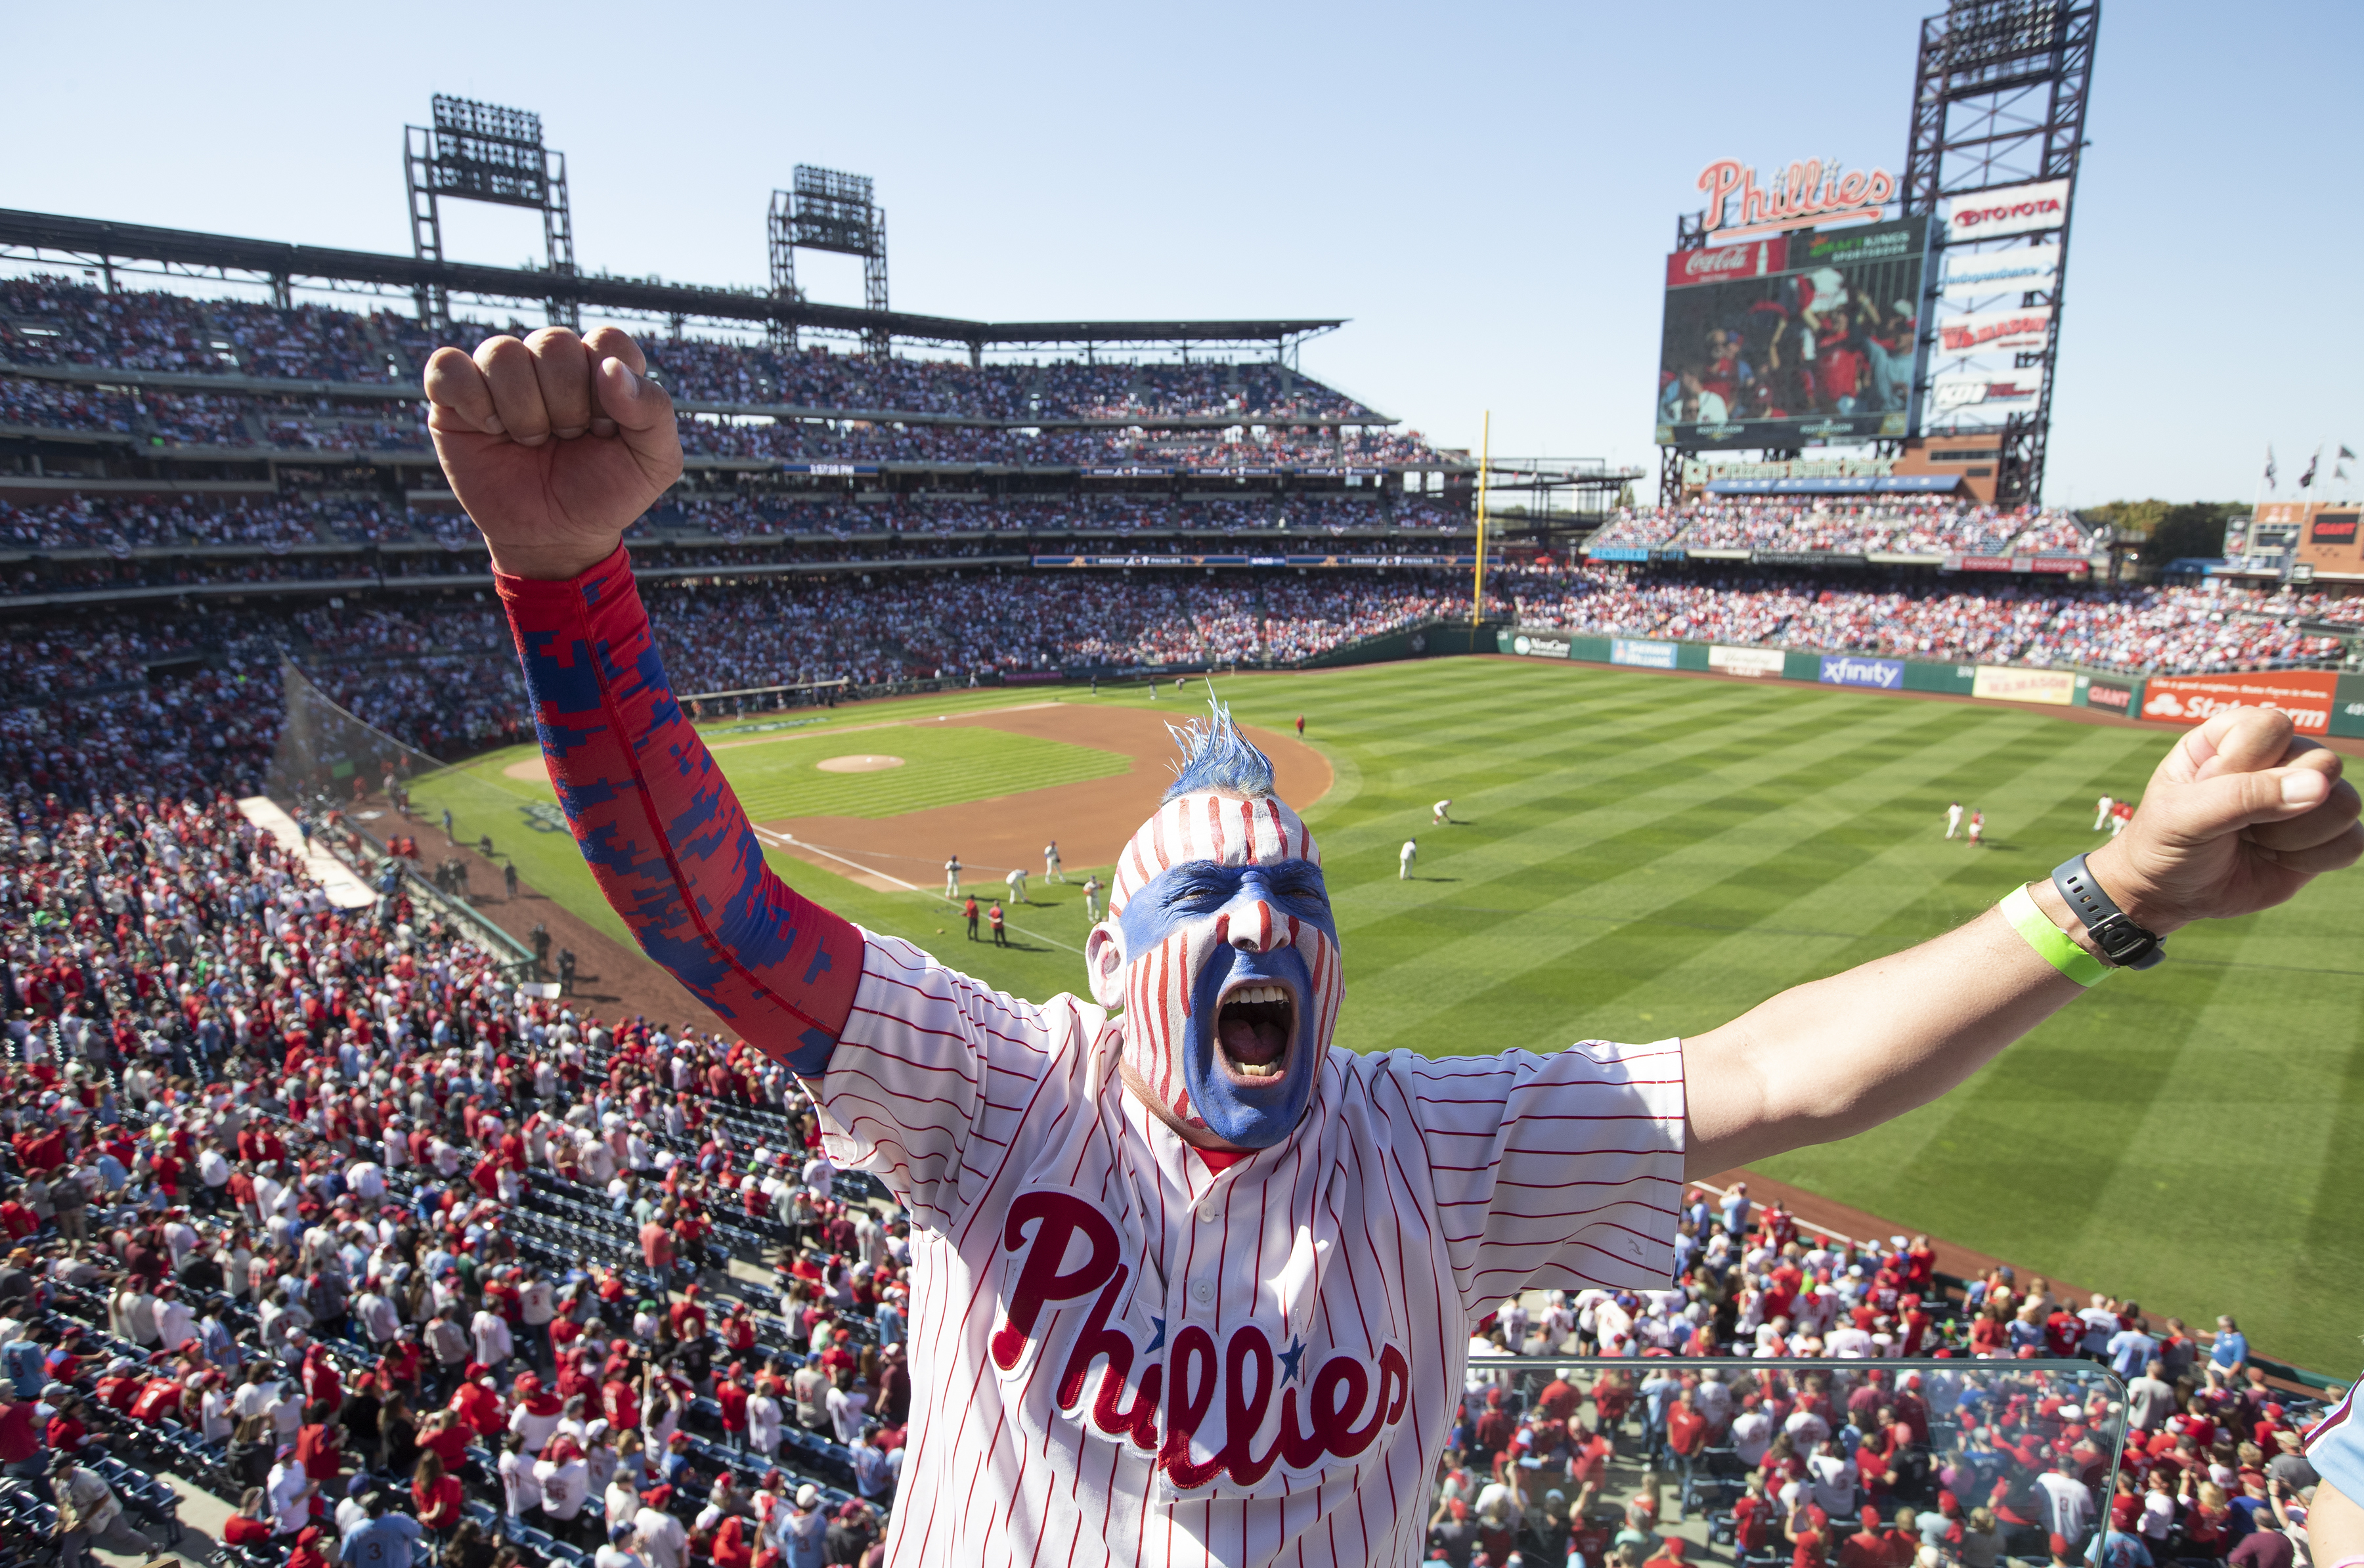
{"points": [[1634, 856]]}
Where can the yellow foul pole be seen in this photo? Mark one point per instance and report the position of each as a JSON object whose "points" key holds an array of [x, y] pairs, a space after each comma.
{"points": [[1485, 462]]}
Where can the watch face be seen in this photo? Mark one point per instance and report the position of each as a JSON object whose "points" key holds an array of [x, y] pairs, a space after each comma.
{"points": [[2121, 938]]}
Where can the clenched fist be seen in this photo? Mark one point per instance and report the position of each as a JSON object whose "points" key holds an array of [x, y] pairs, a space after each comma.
{"points": [[2239, 817], [555, 444]]}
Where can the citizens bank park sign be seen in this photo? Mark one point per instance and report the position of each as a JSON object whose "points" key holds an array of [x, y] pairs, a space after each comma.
{"points": [[1813, 191]]}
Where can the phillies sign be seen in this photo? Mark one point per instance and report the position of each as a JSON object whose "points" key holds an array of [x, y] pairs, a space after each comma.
{"points": [[1804, 193]]}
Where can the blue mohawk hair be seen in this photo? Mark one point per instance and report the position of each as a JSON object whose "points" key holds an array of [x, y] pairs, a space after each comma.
{"points": [[1215, 755]]}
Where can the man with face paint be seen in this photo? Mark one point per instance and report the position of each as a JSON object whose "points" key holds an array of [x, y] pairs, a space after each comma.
{"points": [[1192, 1284]]}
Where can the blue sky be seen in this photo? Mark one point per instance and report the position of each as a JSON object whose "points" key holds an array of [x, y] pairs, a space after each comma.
{"points": [[1487, 190]]}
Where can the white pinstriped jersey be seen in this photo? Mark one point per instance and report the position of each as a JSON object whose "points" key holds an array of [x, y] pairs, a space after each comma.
{"points": [[1121, 1357]]}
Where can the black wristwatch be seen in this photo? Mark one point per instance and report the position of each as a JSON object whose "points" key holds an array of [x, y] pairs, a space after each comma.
{"points": [[2114, 930]]}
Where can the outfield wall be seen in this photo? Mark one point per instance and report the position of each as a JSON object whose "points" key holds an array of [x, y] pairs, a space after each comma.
{"points": [[2321, 701]]}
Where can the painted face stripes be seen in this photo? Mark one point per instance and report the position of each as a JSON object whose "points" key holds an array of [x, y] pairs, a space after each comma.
{"points": [[1163, 1039], [1218, 828]]}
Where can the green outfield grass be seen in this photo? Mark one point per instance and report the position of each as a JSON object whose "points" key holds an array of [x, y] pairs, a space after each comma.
{"points": [[1638, 855]]}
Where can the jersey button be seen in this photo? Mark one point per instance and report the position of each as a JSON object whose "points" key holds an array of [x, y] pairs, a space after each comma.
{"points": [[1203, 1292], [1206, 1214]]}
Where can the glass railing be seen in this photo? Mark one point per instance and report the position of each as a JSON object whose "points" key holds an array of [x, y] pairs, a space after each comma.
{"points": [[1766, 1461]]}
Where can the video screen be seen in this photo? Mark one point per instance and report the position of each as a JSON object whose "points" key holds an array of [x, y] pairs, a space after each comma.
{"points": [[1794, 340]]}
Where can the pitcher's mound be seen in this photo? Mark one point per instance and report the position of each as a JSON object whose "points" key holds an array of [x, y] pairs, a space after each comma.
{"points": [[863, 762]]}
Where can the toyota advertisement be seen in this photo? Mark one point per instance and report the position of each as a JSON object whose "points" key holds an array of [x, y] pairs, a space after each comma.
{"points": [[1795, 339]]}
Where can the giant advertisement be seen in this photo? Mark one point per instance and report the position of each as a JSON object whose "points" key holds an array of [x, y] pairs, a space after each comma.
{"points": [[1793, 339]]}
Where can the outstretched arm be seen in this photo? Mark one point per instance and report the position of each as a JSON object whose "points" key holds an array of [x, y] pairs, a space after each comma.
{"points": [[554, 445], [2239, 817]]}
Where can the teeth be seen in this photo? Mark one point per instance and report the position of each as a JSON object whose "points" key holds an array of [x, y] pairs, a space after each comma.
{"points": [[1258, 994], [1269, 1069]]}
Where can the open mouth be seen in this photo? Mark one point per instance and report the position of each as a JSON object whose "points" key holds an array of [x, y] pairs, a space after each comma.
{"points": [[1252, 1028]]}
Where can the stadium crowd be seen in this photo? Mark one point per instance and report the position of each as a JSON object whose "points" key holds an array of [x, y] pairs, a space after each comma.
{"points": [[122, 523], [2192, 1455], [1847, 526], [2139, 629], [53, 324]]}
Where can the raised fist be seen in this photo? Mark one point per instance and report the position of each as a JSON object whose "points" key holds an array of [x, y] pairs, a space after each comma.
{"points": [[2239, 815], [555, 444]]}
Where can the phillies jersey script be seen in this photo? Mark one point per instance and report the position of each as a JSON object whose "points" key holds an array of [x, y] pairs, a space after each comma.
{"points": [[1123, 1352]]}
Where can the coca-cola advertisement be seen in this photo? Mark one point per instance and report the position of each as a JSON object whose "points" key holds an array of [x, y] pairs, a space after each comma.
{"points": [[1795, 339], [1725, 263]]}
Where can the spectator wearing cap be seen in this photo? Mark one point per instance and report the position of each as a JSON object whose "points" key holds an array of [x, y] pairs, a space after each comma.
{"points": [[89, 1515], [663, 1540], [804, 1531], [383, 1540], [291, 1490], [565, 1483], [617, 1552]]}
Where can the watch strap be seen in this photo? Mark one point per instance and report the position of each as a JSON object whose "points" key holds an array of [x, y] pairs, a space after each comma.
{"points": [[2051, 943], [2112, 929]]}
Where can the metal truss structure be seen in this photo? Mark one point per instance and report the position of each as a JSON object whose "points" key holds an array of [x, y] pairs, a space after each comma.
{"points": [[826, 210], [1999, 99], [484, 152]]}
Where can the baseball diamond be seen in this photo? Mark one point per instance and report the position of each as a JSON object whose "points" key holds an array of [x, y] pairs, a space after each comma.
{"points": [[1639, 851]]}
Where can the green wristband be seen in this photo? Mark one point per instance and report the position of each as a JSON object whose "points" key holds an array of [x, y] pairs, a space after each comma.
{"points": [[2050, 942]]}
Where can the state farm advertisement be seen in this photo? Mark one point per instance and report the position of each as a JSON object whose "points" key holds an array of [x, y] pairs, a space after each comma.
{"points": [[2305, 695], [1758, 258], [2019, 209]]}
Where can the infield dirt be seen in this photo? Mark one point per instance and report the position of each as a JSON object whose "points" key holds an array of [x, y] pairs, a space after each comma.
{"points": [[1091, 819]]}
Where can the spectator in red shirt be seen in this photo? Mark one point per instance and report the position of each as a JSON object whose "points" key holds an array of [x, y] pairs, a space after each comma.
{"points": [[1865, 1548], [438, 1495], [656, 1244]]}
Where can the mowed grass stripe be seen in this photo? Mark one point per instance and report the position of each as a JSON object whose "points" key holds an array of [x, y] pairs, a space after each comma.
{"points": [[1822, 903], [1600, 771], [1553, 965], [2230, 1070], [1659, 875]]}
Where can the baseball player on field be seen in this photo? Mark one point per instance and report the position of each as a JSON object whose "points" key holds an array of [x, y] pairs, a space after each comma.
{"points": [[1192, 1284]]}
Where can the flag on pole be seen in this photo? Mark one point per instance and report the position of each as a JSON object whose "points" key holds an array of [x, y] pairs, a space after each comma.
{"points": [[2308, 477], [2270, 465], [2344, 455]]}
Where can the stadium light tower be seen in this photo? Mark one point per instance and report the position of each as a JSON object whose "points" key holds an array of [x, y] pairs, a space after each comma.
{"points": [[1999, 104], [483, 152], [825, 210]]}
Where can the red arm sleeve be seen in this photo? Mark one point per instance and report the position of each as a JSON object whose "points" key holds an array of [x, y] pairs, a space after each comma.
{"points": [[660, 828]]}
